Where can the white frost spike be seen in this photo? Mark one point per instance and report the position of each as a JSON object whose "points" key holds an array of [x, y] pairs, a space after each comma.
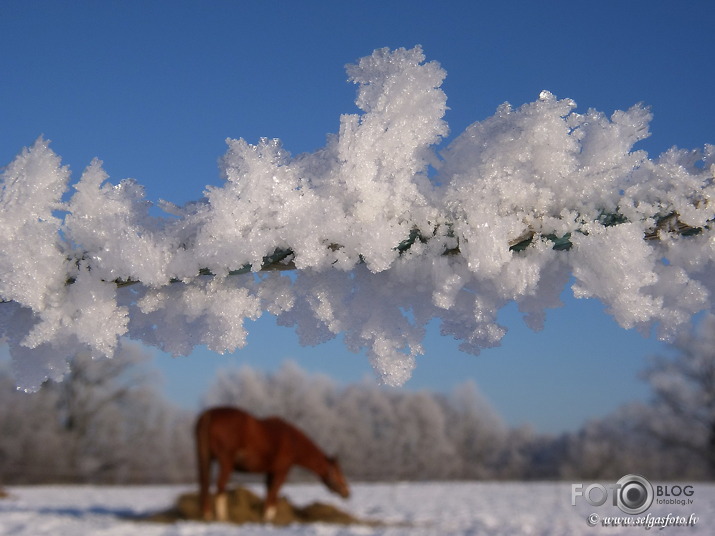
{"points": [[210, 312], [33, 261], [116, 232], [383, 154], [612, 264], [88, 312]]}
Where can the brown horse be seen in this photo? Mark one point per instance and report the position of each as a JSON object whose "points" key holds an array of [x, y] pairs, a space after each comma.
{"points": [[241, 442]]}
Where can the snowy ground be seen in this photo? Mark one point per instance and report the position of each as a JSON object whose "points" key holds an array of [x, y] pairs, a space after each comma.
{"points": [[406, 508]]}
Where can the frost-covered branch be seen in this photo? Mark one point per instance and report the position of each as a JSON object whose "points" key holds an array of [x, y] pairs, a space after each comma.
{"points": [[282, 259], [384, 232]]}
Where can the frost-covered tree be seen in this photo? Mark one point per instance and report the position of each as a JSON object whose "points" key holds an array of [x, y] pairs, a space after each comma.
{"points": [[624, 442], [366, 444], [683, 409], [422, 447], [476, 431], [107, 422], [385, 230], [32, 445], [670, 437], [246, 387], [96, 407]]}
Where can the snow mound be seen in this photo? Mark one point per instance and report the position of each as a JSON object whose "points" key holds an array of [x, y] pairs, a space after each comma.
{"points": [[244, 506]]}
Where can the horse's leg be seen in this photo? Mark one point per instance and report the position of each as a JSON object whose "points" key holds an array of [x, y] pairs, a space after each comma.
{"points": [[203, 455], [274, 481], [205, 498], [225, 468]]}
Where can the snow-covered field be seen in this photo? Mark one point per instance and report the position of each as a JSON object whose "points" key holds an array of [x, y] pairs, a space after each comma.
{"points": [[405, 508]]}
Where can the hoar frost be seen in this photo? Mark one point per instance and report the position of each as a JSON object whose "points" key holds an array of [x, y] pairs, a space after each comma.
{"points": [[384, 232]]}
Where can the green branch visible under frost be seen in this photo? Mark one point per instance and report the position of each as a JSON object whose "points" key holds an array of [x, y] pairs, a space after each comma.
{"points": [[282, 258]]}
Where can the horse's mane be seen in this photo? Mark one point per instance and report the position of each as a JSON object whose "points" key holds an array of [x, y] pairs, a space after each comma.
{"points": [[303, 441]]}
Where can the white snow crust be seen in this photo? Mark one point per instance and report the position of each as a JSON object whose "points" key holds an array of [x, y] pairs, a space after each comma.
{"points": [[385, 232], [405, 509]]}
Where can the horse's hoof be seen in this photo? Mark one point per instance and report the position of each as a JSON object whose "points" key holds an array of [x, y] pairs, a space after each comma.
{"points": [[221, 507], [270, 514]]}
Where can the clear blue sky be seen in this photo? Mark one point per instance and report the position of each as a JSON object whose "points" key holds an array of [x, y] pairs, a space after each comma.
{"points": [[154, 88]]}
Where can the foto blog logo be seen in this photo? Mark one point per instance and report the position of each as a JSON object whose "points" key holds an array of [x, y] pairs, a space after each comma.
{"points": [[632, 494]]}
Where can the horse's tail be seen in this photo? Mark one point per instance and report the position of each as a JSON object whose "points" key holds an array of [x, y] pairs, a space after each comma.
{"points": [[203, 459]]}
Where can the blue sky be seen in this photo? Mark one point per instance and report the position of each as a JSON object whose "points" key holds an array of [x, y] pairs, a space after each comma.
{"points": [[154, 88]]}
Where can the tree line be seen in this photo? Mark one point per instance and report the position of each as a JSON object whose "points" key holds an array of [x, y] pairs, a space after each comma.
{"points": [[108, 422]]}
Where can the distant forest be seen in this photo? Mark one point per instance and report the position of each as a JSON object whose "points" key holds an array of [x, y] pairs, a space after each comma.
{"points": [[108, 422]]}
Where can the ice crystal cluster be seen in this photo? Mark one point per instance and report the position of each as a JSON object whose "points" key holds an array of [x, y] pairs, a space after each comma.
{"points": [[382, 232]]}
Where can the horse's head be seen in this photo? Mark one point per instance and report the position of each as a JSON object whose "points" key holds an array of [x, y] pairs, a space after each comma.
{"points": [[335, 480]]}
